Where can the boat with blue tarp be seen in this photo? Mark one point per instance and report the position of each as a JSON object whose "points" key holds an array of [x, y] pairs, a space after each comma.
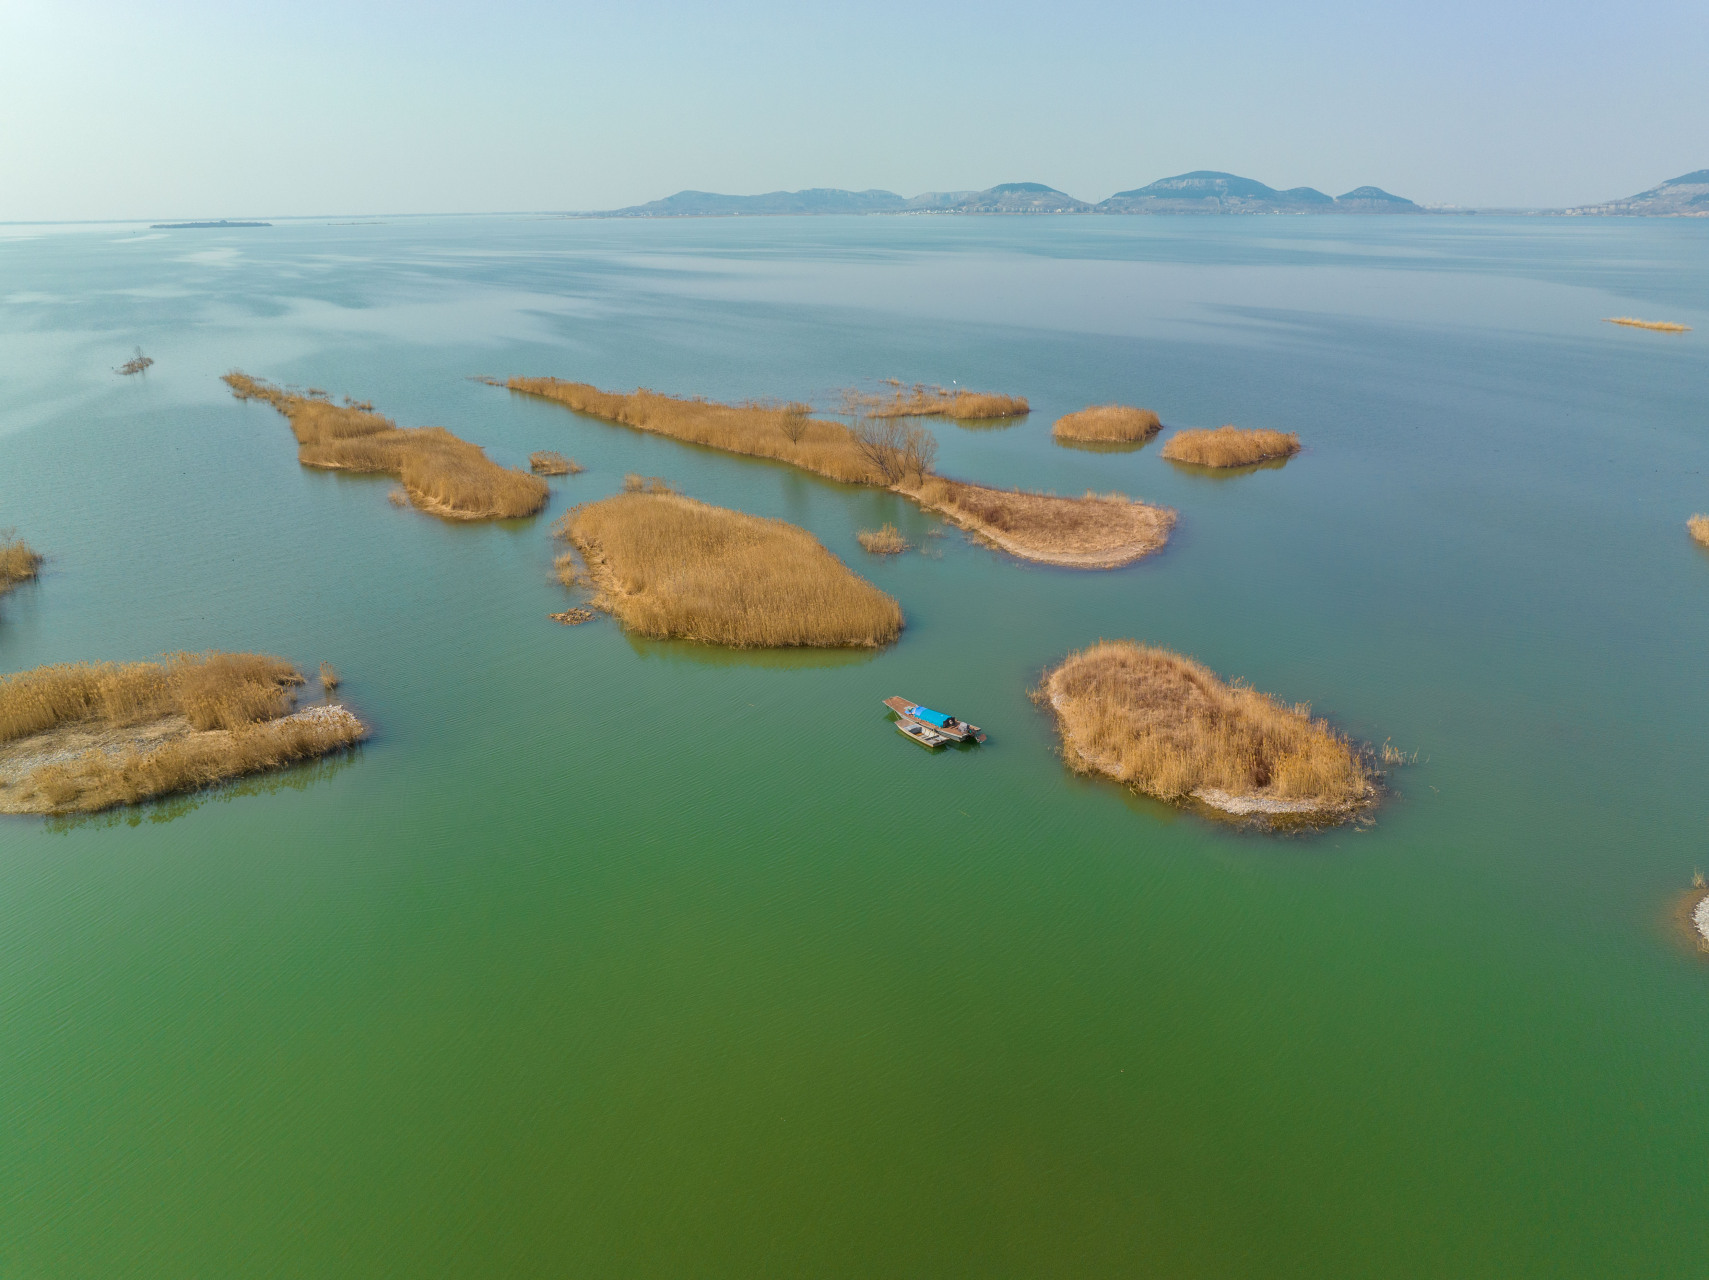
{"points": [[939, 724]]}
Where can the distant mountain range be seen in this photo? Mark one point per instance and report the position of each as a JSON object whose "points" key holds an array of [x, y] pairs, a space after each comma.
{"points": [[1686, 196], [1203, 191]]}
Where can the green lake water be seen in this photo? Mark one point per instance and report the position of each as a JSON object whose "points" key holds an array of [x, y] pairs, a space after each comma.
{"points": [[614, 958]]}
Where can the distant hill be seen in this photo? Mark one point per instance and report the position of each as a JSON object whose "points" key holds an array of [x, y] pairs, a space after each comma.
{"points": [[1686, 196], [1208, 191], [1006, 197], [1202, 191]]}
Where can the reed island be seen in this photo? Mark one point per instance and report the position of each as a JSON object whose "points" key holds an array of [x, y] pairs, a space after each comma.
{"points": [[1107, 424], [1657, 326], [82, 737], [669, 567], [19, 561], [1697, 526], [1095, 531], [922, 401], [440, 473], [1230, 447], [1169, 727]]}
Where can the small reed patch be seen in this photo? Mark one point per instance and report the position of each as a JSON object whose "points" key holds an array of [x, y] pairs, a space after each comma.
{"points": [[571, 617], [1698, 526], [884, 541], [1230, 446], [440, 473], [1108, 424], [1659, 326], [19, 562], [672, 568], [548, 462], [136, 364], [1169, 727]]}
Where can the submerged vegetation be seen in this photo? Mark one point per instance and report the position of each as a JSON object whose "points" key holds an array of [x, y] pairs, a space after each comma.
{"points": [[1230, 446], [1088, 532], [1661, 326], [1698, 525], [669, 567], [1108, 424], [19, 562], [922, 401], [1167, 726], [440, 473], [884, 541], [80, 737], [549, 462]]}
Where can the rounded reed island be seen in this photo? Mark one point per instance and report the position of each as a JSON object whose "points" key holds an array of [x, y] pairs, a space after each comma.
{"points": [[1169, 727], [1698, 527], [1107, 424], [672, 568], [1230, 447], [81, 737]]}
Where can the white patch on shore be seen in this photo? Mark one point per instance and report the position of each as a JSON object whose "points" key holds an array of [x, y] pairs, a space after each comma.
{"points": [[1700, 918], [1228, 802]]}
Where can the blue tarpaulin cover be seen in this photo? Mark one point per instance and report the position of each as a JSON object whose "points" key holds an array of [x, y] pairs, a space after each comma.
{"points": [[938, 718]]}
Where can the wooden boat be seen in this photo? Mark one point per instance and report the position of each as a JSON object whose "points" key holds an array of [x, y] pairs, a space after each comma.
{"points": [[923, 734], [940, 722]]}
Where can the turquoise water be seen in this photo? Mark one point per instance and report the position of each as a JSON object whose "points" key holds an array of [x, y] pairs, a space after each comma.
{"points": [[616, 958]]}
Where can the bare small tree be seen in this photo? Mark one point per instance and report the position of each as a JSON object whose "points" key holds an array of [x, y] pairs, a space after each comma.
{"points": [[896, 449], [793, 424]]}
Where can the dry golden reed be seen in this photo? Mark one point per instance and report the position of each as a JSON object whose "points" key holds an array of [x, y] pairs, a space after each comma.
{"points": [[19, 562], [548, 462], [1230, 446], [922, 401], [211, 690], [1108, 424], [1104, 532], [441, 474], [1169, 727], [1699, 527], [1661, 326], [884, 541], [670, 567]]}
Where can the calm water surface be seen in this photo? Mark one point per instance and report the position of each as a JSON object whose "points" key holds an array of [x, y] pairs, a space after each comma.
{"points": [[614, 958]]}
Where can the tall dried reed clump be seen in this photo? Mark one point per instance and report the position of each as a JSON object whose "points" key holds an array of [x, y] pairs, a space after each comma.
{"points": [[1699, 527], [441, 474], [1661, 326], [1230, 446], [670, 567], [1169, 727], [19, 562], [233, 721], [1108, 424], [1101, 531], [884, 541], [549, 462], [922, 401]]}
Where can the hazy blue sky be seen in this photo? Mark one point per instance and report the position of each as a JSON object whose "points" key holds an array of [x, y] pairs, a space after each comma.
{"points": [[191, 107]]}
